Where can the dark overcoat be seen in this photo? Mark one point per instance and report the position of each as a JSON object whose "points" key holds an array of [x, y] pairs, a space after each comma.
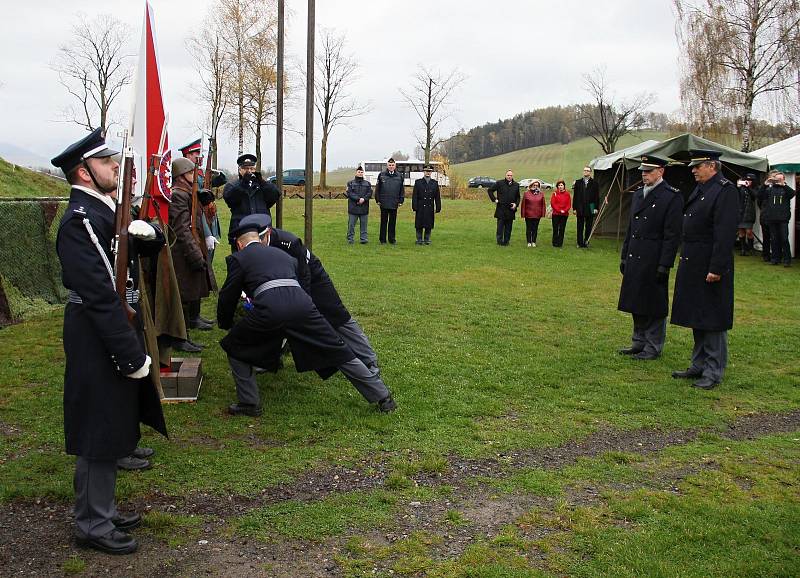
{"points": [[192, 269], [389, 190], [425, 202], [312, 277], [507, 193], [585, 197], [245, 197], [282, 312], [358, 189], [102, 407], [709, 230], [651, 241]]}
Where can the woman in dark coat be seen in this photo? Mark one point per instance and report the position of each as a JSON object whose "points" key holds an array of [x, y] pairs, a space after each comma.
{"points": [[425, 202], [747, 214]]}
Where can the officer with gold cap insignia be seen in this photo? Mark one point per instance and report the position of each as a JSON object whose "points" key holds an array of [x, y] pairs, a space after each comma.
{"points": [[648, 254], [106, 394], [703, 297]]}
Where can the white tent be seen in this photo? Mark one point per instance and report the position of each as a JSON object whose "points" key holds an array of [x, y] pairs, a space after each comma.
{"points": [[785, 156]]}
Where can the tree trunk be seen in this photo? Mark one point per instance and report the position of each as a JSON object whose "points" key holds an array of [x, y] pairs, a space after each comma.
{"points": [[323, 162]]}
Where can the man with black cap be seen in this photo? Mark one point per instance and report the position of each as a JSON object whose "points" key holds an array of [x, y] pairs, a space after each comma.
{"points": [[211, 227], [107, 391], [250, 195], [279, 308], [359, 192], [317, 283], [747, 214], [648, 253], [390, 195], [703, 297], [776, 212], [425, 202]]}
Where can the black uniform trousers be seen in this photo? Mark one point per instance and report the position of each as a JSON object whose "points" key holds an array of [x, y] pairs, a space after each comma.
{"points": [[584, 229], [504, 227], [766, 243], [531, 229], [779, 242], [388, 222], [559, 226]]}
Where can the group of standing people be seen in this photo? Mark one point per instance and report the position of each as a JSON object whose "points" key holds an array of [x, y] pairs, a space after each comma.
{"points": [[584, 203], [426, 201], [773, 199]]}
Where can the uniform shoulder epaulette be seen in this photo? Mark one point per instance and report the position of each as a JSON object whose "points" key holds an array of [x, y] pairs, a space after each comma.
{"points": [[723, 181], [79, 212], [673, 189]]}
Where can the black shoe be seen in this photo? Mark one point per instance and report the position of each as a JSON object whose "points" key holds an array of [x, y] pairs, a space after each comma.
{"points": [[427, 241], [705, 383], [209, 321], [787, 264], [387, 404], [364, 242], [244, 409], [187, 346], [127, 523], [686, 374], [629, 351], [133, 463], [642, 356], [115, 542], [143, 453], [419, 241], [393, 242], [198, 323]]}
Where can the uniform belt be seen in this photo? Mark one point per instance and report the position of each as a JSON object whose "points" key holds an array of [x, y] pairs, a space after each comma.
{"points": [[273, 284], [131, 296]]}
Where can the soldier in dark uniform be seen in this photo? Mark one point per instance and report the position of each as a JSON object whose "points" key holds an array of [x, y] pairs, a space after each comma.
{"points": [[585, 205], [280, 309], [703, 297], [107, 392], [250, 195], [390, 195], [315, 281], [507, 201], [425, 202], [648, 253]]}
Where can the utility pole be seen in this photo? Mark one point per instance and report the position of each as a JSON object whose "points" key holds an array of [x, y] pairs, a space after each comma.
{"points": [[309, 192], [279, 122]]}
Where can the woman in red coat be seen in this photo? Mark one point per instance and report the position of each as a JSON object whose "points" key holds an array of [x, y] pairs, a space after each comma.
{"points": [[560, 204], [532, 209]]}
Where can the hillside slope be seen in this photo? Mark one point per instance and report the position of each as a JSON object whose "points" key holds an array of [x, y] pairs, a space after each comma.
{"points": [[16, 181], [548, 162]]}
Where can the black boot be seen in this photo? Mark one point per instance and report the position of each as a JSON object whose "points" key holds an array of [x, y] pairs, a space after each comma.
{"points": [[427, 237], [742, 246], [419, 236], [750, 246]]}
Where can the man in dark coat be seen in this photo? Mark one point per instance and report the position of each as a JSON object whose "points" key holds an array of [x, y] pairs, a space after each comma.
{"points": [[359, 192], [390, 195], [192, 268], [648, 253], [506, 201], [776, 211], [585, 204], [249, 195], [703, 297], [107, 389], [425, 202], [317, 283], [279, 308]]}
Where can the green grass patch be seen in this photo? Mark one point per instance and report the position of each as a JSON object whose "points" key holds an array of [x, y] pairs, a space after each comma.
{"points": [[73, 565], [173, 529]]}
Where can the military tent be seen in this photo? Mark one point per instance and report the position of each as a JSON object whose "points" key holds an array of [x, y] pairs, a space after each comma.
{"points": [[618, 176]]}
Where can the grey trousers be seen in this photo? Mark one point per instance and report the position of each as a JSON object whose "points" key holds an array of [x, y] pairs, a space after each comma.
{"points": [[710, 353], [356, 339], [351, 226], [649, 333], [95, 484], [367, 380]]}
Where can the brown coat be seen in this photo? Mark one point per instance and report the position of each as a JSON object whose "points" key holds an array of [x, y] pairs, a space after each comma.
{"points": [[194, 273]]}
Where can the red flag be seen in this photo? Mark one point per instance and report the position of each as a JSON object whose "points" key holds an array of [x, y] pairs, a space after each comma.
{"points": [[149, 119]]}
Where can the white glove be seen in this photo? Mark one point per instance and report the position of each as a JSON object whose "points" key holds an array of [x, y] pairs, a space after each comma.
{"points": [[144, 370], [141, 230], [211, 242]]}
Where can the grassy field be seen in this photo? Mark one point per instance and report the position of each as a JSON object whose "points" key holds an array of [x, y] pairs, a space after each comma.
{"points": [[16, 181], [523, 445]]}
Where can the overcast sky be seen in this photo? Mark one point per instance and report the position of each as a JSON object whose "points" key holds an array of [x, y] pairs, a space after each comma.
{"points": [[516, 55]]}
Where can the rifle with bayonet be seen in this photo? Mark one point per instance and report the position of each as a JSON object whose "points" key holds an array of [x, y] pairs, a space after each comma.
{"points": [[123, 283]]}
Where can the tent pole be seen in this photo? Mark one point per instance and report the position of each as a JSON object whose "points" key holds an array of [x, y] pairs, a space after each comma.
{"points": [[621, 186], [602, 207]]}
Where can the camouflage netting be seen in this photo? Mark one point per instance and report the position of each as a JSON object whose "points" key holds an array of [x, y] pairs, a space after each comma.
{"points": [[30, 274]]}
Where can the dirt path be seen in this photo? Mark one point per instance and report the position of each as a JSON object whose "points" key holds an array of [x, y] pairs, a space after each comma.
{"points": [[35, 536]]}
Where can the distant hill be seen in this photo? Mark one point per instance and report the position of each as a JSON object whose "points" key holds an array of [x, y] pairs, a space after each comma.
{"points": [[547, 162], [16, 181]]}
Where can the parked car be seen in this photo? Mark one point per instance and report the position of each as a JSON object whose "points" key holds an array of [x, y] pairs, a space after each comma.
{"points": [[292, 177], [481, 182], [524, 183]]}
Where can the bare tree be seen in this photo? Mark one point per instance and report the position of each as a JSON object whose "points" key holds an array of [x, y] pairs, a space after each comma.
{"points": [[261, 86], [93, 68], [429, 96], [607, 121], [213, 67], [336, 70], [756, 52]]}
